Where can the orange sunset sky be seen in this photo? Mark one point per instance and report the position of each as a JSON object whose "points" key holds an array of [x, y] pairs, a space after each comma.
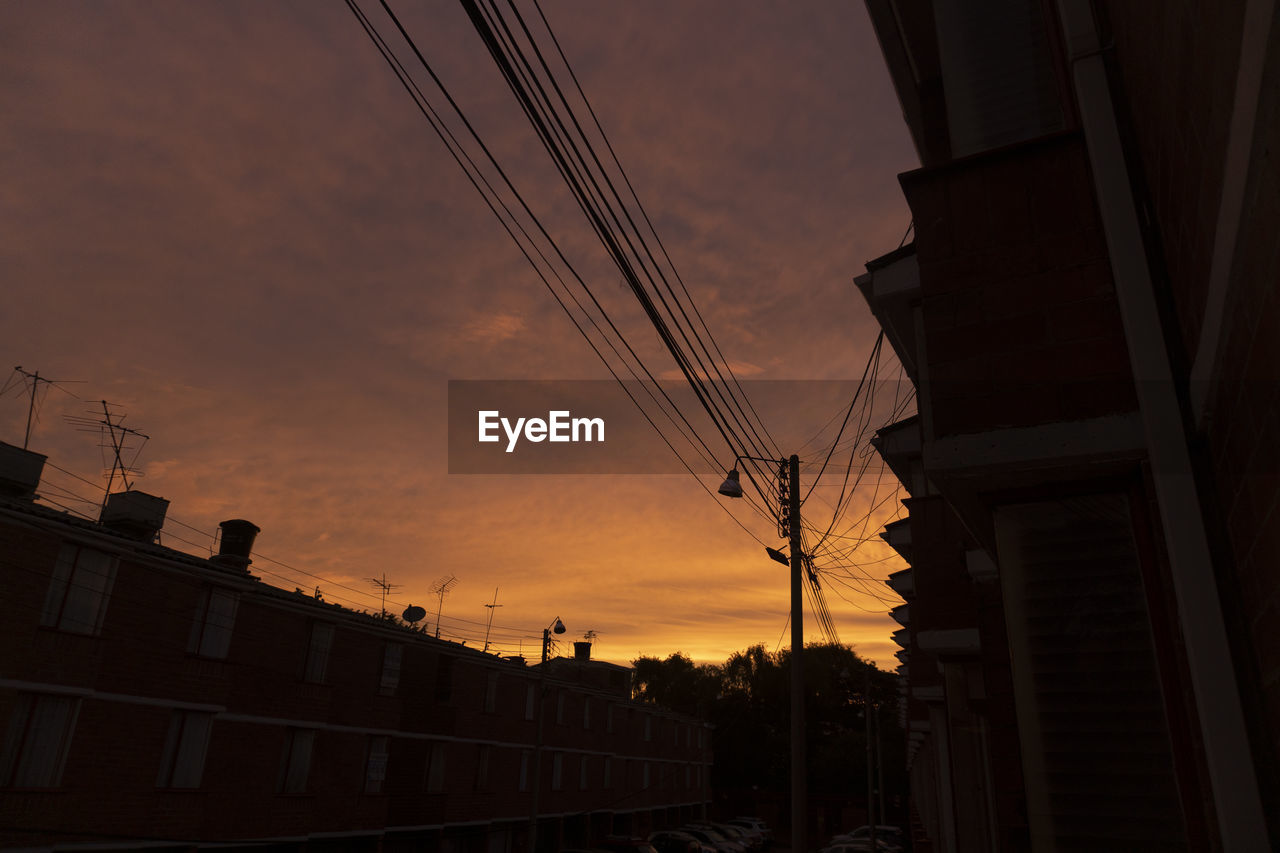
{"points": [[229, 220]]}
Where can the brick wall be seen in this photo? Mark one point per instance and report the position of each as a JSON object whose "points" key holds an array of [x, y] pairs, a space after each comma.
{"points": [[1176, 68], [131, 676], [1018, 303]]}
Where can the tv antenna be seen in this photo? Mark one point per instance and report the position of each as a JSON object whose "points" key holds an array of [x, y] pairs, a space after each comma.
{"points": [[386, 587], [33, 406], [113, 425], [440, 589], [491, 607]]}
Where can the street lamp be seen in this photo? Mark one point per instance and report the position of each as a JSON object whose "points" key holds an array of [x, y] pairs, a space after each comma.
{"points": [[789, 477], [556, 627]]}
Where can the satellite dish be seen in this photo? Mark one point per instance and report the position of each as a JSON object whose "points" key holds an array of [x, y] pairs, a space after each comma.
{"points": [[413, 613]]}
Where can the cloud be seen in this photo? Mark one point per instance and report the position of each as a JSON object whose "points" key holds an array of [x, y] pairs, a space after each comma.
{"points": [[494, 328], [230, 219]]}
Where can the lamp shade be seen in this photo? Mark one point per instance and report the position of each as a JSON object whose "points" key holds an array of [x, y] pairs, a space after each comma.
{"points": [[731, 488]]}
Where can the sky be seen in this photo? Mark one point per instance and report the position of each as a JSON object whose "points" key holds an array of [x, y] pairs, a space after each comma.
{"points": [[230, 221]]}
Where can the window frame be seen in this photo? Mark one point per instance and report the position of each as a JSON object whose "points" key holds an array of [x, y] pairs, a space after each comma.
{"points": [[316, 667], [36, 747], [526, 764], [491, 693], [296, 761], [389, 678], [377, 757], [206, 639], [66, 586], [437, 756], [183, 736]]}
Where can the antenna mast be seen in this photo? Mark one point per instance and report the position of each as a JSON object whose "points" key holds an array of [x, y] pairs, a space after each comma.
{"points": [[382, 584], [118, 434], [36, 379], [490, 625], [441, 589]]}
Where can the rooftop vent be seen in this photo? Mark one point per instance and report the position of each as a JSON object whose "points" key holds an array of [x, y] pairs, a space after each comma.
{"points": [[237, 543], [19, 471], [582, 651], [135, 514]]}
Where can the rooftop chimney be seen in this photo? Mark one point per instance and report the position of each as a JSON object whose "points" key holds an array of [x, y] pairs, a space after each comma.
{"points": [[582, 651], [135, 514], [19, 471], [237, 543]]}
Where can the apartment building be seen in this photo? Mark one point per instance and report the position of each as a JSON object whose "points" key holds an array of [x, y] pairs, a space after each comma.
{"points": [[151, 698], [1089, 312]]}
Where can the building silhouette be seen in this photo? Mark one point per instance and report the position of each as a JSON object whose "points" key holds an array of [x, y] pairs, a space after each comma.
{"points": [[1089, 312], [151, 698]]}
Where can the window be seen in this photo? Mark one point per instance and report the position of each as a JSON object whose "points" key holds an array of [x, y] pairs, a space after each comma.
{"points": [[608, 719], [295, 765], [608, 772], [390, 680], [482, 767], [318, 652], [688, 776], [79, 591], [39, 737], [375, 765], [675, 730], [648, 727], [525, 755], [586, 712], [435, 768], [645, 782], [491, 693], [559, 707], [214, 622], [529, 695], [444, 679], [583, 766], [182, 765], [557, 771]]}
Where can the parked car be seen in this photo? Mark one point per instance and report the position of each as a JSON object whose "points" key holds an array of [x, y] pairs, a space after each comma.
{"points": [[891, 834], [624, 844], [887, 839], [753, 840], [756, 824], [710, 837], [863, 845], [676, 841]]}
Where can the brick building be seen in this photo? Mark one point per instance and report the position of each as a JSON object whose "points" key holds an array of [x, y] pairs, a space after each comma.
{"points": [[1090, 313], [153, 698]]}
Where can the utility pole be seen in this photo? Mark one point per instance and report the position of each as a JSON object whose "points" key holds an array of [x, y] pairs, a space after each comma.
{"points": [[880, 769], [871, 799], [789, 487], [799, 795], [557, 627]]}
